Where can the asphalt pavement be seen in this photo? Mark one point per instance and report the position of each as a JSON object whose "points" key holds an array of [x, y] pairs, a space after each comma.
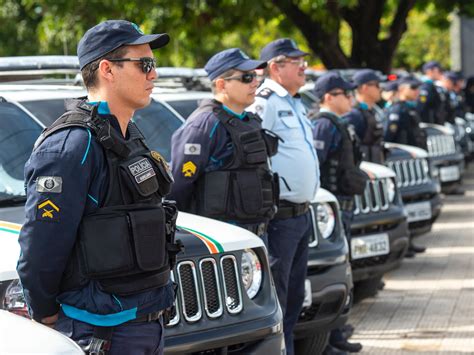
{"points": [[427, 305]]}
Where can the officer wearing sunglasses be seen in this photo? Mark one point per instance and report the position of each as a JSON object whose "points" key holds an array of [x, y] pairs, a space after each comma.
{"points": [[220, 155], [83, 185], [296, 163], [368, 124]]}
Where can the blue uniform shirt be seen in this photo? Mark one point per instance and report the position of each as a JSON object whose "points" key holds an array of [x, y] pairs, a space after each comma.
{"points": [[296, 161], [327, 138], [75, 161], [201, 145]]}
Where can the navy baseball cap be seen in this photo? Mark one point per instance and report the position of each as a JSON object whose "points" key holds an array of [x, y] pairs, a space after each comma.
{"points": [[453, 76], [331, 81], [228, 59], [112, 34], [364, 76], [390, 85], [282, 46], [409, 80], [431, 65]]}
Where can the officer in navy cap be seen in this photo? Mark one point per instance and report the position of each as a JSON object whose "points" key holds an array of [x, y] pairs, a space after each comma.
{"points": [[88, 176], [389, 93], [430, 101], [339, 157], [220, 155], [296, 162], [368, 124], [453, 104]]}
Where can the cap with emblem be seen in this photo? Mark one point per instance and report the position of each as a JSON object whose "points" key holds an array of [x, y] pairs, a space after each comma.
{"points": [[282, 46], [112, 34], [431, 65], [364, 76], [330, 81], [390, 85], [453, 76], [232, 58]]}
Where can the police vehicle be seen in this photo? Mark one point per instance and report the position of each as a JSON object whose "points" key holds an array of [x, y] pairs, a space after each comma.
{"points": [[226, 300]]}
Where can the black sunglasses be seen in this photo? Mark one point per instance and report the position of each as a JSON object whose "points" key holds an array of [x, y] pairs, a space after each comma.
{"points": [[345, 93], [246, 78], [147, 63]]}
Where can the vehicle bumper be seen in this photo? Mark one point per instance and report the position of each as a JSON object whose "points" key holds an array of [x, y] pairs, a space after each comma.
{"points": [[331, 288], [395, 225], [450, 183]]}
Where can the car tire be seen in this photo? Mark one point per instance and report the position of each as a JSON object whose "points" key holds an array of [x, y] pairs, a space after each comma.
{"points": [[313, 344], [366, 288]]}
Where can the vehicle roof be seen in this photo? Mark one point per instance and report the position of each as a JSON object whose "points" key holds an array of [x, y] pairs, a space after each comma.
{"points": [[15, 92], [167, 95]]}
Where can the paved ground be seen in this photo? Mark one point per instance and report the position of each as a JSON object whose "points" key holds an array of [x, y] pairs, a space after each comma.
{"points": [[427, 305]]}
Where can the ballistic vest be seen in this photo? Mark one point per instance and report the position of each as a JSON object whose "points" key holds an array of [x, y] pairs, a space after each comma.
{"points": [[127, 244], [409, 132], [244, 189], [372, 142], [340, 173]]}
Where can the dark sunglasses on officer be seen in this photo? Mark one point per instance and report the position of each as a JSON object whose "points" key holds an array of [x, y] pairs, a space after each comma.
{"points": [[346, 93], [245, 78], [147, 64]]}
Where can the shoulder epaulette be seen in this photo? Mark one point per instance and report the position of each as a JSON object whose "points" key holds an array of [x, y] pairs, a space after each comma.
{"points": [[265, 93]]}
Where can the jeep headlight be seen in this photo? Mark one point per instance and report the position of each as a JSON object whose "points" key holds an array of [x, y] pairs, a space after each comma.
{"points": [[326, 219], [251, 271], [390, 190]]}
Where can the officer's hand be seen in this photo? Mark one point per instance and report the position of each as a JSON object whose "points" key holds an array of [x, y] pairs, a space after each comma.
{"points": [[50, 321]]}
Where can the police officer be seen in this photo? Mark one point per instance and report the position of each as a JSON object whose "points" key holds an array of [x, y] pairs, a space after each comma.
{"points": [[220, 155], [339, 157], [389, 93], [93, 190], [363, 117], [430, 103], [402, 126], [296, 162]]}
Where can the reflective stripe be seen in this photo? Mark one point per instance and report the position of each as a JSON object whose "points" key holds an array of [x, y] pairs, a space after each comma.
{"points": [[104, 320], [213, 130], [93, 199], [88, 147]]}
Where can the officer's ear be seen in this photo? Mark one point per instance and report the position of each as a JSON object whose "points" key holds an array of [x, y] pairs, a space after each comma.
{"points": [[220, 83], [105, 69]]}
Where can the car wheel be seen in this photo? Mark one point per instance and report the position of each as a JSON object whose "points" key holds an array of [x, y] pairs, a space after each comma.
{"points": [[313, 344]]}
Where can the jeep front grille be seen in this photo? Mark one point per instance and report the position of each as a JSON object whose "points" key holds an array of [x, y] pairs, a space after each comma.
{"points": [[207, 287], [374, 199], [410, 172], [441, 144]]}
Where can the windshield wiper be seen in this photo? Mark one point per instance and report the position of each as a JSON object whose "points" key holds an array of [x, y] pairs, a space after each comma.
{"points": [[12, 201]]}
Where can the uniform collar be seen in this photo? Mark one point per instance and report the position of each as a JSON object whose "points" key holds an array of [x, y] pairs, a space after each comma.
{"points": [[103, 108], [275, 87], [240, 116], [363, 105]]}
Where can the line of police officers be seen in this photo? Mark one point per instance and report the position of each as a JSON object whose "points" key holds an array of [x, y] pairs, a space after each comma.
{"points": [[250, 156]]}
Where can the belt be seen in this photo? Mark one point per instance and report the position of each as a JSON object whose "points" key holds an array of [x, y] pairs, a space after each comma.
{"points": [[147, 318], [258, 229], [289, 209]]}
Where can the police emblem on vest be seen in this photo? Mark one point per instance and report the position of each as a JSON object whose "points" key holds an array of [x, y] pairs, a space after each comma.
{"points": [[127, 244]]}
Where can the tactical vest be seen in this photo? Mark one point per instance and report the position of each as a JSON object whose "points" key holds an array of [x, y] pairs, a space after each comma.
{"points": [[340, 173], [244, 189], [372, 142], [127, 244], [411, 134]]}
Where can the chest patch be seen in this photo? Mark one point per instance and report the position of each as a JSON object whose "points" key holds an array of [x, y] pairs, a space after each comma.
{"points": [[141, 170], [284, 113]]}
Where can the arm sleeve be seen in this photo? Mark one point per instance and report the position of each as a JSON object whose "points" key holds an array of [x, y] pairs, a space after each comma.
{"points": [[52, 218], [265, 110], [324, 135]]}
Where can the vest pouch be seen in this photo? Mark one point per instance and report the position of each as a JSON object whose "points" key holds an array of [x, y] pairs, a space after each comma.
{"points": [[213, 189], [247, 192], [149, 238], [271, 141], [139, 177], [353, 182], [253, 147]]}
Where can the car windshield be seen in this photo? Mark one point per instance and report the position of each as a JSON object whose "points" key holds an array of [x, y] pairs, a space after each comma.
{"points": [[47, 111], [185, 107], [18, 133], [157, 123]]}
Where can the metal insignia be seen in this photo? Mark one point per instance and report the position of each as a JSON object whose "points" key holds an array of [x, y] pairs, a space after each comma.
{"points": [[162, 162], [52, 184]]}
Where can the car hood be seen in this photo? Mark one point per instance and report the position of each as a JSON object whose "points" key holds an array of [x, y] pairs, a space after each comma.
{"points": [[376, 171], [199, 235], [414, 152], [437, 127], [323, 195]]}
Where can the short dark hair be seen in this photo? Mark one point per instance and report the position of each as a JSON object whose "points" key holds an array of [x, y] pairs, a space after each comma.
{"points": [[225, 74], [89, 72]]}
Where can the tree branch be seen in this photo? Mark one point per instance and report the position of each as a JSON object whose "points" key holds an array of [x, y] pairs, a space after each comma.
{"points": [[398, 25]]}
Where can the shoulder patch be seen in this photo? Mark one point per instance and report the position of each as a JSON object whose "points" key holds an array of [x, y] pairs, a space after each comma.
{"points": [[52, 184], [319, 144], [393, 127], [265, 93], [189, 169], [48, 211], [192, 149], [394, 117], [259, 109]]}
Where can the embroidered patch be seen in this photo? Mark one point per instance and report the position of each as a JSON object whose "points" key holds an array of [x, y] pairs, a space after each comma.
{"points": [[393, 128], [189, 169], [319, 144], [141, 170], [393, 117], [47, 211], [259, 109], [285, 113], [162, 164], [192, 149], [52, 184], [423, 99]]}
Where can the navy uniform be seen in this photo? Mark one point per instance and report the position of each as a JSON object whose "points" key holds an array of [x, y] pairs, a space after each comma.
{"points": [[430, 103], [403, 122], [84, 181], [367, 124], [220, 158], [297, 165], [339, 157]]}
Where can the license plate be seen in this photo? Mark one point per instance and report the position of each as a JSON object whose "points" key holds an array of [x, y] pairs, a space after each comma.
{"points": [[308, 296], [419, 211], [373, 245], [449, 173]]}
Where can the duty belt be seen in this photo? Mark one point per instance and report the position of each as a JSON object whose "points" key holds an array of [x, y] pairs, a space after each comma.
{"points": [[289, 209], [150, 317], [258, 229]]}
